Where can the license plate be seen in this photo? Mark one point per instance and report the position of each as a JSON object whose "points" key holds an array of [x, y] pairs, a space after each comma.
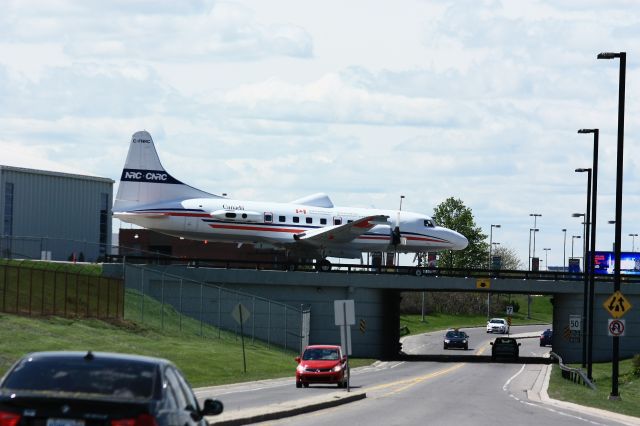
{"points": [[64, 422]]}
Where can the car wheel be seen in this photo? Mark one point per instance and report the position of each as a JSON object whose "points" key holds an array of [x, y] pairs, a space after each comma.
{"points": [[445, 347], [298, 384], [493, 357], [306, 385], [466, 347]]}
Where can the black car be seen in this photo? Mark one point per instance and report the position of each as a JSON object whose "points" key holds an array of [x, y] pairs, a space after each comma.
{"points": [[505, 347], [456, 339], [99, 389], [546, 338]]}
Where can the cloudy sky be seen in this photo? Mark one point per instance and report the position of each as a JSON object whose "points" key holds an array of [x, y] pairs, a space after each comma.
{"points": [[364, 100]]}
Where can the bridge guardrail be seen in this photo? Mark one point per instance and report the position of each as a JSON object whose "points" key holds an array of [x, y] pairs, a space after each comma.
{"points": [[363, 269], [576, 375]]}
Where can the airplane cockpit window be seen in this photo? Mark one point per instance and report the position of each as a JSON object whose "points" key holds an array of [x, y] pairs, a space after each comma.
{"points": [[429, 223]]}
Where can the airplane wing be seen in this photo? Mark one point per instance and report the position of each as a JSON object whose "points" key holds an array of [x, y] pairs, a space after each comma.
{"points": [[340, 233]]}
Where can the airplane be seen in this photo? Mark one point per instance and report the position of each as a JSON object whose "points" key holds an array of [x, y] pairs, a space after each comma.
{"points": [[310, 227]]}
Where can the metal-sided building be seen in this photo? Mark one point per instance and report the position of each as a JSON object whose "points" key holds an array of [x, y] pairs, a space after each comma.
{"points": [[53, 215]]}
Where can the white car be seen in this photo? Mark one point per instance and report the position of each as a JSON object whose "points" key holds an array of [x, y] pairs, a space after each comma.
{"points": [[497, 325]]}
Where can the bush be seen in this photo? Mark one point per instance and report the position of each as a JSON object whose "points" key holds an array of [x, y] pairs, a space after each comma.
{"points": [[636, 365]]}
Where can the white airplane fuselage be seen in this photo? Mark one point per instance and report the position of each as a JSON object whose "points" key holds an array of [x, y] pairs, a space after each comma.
{"points": [[151, 198]]}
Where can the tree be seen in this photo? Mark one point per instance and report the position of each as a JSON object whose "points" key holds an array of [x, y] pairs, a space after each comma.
{"points": [[509, 259], [453, 214]]}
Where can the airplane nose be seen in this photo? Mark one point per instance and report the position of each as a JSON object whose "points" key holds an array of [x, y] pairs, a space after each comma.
{"points": [[459, 241]]}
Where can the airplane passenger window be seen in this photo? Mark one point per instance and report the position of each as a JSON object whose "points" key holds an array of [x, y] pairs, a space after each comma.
{"points": [[429, 223], [268, 218], [309, 220], [349, 221], [337, 221], [296, 219], [323, 221], [230, 215], [282, 219]]}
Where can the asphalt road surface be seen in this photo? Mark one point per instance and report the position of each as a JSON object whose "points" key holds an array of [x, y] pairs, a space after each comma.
{"points": [[459, 389]]}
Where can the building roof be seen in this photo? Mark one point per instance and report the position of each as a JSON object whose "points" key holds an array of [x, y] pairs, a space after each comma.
{"points": [[59, 174]]}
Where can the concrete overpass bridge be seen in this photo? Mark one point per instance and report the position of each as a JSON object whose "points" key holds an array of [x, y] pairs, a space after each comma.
{"points": [[377, 299]]}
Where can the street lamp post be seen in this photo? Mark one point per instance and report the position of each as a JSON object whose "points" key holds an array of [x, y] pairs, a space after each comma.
{"points": [[585, 302], [619, 172], [564, 251], [534, 230], [573, 238], [546, 257], [594, 211], [490, 243], [633, 242], [535, 216]]}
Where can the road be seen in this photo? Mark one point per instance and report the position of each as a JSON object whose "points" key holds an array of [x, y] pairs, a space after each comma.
{"points": [[416, 392]]}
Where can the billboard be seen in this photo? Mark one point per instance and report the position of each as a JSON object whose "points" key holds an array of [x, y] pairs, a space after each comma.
{"points": [[604, 262]]}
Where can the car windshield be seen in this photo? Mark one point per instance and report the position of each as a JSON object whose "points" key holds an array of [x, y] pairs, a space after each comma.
{"points": [[451, 334], [112, 377], [328, 354], [497, 321]]}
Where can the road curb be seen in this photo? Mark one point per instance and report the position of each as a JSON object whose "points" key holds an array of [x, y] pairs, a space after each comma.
{"points": [[289, 409]]}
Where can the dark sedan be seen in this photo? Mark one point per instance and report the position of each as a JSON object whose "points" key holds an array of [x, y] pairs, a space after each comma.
{"points": [[546, 338], [505, 347], [456, 339], [98, 389]]}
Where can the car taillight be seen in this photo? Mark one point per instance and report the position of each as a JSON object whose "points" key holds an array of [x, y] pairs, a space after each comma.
{"points": [[141, 420], [9, 419]]}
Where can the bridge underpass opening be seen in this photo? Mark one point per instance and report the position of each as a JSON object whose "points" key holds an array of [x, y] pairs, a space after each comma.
{"points": [[426, 316]]}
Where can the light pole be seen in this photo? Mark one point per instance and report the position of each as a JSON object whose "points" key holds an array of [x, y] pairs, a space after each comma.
{"points": [[633, 242], [546, 257], [490, 243], [564, 251], [573, 237], [619, 172], [535, 216], [594, 211], [585, 295], [534, 230]]}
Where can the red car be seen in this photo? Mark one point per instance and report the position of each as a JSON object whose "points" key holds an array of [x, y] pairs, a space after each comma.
{"points": [[322, 364]]}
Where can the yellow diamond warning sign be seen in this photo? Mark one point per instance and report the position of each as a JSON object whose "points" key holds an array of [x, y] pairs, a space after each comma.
{"points": [[483, 283], [617, 304]]}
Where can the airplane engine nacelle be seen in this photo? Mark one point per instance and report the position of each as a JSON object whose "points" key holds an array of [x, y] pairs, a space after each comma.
{"points": [[237, 216]]}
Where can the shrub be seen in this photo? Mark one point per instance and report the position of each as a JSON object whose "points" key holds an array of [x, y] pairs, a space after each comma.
{"points": [[636, 365]]}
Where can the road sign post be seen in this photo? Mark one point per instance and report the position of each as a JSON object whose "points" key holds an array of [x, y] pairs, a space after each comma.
{"points": [[345, 317], [241, 314]]}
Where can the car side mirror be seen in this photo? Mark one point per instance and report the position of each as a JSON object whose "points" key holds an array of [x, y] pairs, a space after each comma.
{"points": [[297, 359], [519, 344], [344, 358], [491, 343], [212, 407]]}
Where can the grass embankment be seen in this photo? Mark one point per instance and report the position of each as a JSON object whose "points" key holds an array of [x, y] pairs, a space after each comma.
{"points": [[541, 313], [206, 361], [628, 389]]}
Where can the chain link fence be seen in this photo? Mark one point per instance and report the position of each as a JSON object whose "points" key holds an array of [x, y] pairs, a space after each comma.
{"points": [[27, 288], [163, 299]]}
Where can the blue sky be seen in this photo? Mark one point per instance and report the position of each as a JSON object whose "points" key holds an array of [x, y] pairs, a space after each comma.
{"points": [[363, 100]]}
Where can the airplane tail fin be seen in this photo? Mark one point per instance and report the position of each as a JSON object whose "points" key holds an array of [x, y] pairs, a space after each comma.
{"points": [[144, 181]]}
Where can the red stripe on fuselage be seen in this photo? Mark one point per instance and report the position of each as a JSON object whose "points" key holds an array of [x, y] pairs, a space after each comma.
{"points": [[256, 228]]}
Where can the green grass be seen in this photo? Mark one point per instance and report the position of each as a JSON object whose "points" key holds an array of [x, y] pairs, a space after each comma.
{"points": [[206, 361], [628, 389], [541, 313], [79, 268]]}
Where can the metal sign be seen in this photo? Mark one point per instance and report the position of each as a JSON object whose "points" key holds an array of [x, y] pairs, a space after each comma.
{"points": [[617, 305], [344, 312], [483, 283], [509, 310], [616, 327], [575, 322], [240, 313]]}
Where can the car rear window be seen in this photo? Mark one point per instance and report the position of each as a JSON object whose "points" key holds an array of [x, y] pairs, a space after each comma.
{"points": [[110, 377]]}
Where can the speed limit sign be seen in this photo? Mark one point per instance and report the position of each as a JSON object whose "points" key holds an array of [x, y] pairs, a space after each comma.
{"points": [[575, 322]]}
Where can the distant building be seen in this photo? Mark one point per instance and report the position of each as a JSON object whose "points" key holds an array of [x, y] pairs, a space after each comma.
{"points": [[53, 215]]}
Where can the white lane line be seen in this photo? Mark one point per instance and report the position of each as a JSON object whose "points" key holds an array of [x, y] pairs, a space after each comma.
{"points": [[505, 388]]}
